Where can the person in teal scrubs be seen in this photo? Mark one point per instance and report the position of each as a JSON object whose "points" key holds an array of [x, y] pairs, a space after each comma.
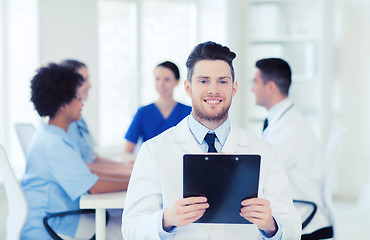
{"points": [[79, 131], [56, 176], [155, 118]]}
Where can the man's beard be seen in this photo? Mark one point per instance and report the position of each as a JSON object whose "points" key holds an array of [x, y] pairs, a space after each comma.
{"points": [[201, 115]]}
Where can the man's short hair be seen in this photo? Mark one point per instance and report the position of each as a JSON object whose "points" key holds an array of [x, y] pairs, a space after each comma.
{"points": [[73, 63], [276, 70], [52, 87], [210, 51]]}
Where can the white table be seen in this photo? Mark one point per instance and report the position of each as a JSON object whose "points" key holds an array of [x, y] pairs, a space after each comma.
{"points": [[100, 202]]}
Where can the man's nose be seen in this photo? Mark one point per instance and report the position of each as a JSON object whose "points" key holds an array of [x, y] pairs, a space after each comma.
{"points": [[213, 88], [252, 88]]}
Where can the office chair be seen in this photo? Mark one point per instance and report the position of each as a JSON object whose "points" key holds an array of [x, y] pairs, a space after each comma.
{"points": [[329, 162], [331, 157], [25, 132], [17, 204]]}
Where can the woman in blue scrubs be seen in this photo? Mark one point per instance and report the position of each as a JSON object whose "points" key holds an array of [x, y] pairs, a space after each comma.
{"points": [[155, 118], [56, 176]]}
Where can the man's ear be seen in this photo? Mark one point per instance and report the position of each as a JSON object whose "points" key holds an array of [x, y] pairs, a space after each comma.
{"points": [[271, 86], [187, 87], [235, 87]]}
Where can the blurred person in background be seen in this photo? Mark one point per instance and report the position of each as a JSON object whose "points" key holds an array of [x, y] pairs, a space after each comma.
{"points": [[155, 118], [79, 130], [298, 148], [56, 175]]}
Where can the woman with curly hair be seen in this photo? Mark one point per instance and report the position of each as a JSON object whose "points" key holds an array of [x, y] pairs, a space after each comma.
{"points": [[56, 176]]}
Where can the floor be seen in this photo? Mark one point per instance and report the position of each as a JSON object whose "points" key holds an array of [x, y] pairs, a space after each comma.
{"points": [[351, 221]]}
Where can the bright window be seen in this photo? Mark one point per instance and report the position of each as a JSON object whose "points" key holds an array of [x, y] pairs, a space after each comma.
{"points": [[19, 59], [133, 39], [117, 44]]}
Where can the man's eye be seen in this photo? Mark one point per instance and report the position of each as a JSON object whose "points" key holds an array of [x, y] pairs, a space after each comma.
{"points": [[223, 82], [203, 81]]}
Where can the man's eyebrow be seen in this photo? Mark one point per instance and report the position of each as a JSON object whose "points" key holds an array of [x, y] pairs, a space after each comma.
{"points": [[225, 77], [203, 77]]}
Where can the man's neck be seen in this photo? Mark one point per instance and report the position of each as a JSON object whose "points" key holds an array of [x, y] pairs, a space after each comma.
{"points": [[210, 124], [275, 100]]}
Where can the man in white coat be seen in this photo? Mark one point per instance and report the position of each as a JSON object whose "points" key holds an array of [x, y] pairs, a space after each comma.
{"points": [[154, 206], [297, 146]]}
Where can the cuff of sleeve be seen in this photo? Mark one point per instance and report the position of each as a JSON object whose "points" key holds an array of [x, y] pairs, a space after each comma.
{"points": [[162, 233], [85, 186], [277, 235]]}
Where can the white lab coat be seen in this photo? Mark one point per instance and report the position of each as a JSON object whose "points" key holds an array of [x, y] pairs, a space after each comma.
{"points": [[301, 155], [156, 183]]}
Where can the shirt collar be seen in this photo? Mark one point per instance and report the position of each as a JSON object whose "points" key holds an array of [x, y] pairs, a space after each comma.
{"points": [[275, 112], [199, 131], [60, 132]]}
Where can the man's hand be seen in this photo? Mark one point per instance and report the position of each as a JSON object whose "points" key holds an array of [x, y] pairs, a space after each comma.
{"points": [[258, 211], [184, 211]]}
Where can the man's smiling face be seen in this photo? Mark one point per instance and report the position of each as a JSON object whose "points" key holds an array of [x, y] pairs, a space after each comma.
{"points": [[211, 90]]}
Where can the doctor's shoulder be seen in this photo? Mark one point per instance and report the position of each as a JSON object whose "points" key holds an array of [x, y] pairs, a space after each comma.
{"points": [[254, 142], [163, 138]]}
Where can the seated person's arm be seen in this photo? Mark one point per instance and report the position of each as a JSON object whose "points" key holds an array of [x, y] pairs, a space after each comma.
{"points": [[129, 147], [109, 184], [128, 150], [112, 170], [102, 160]]}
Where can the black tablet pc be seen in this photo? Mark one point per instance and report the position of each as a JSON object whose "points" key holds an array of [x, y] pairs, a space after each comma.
{"points": [[225, 179]]}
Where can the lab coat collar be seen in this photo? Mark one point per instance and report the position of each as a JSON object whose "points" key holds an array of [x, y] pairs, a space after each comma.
{"points": [[276, 112], [237, 141]]}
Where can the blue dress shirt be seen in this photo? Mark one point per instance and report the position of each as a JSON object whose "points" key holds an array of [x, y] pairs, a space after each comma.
{"points": [[199, 132]]}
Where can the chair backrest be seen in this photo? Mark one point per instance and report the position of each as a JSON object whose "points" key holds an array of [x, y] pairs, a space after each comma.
{"points": [[331, 157], [17, 204], [25, 132]]}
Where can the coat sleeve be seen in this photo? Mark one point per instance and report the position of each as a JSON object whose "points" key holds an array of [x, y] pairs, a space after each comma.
{"points": [[277, 190], [143, 209]]}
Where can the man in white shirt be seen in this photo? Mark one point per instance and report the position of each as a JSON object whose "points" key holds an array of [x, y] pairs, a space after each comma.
{"points": [[298, 148], [154, 206]]}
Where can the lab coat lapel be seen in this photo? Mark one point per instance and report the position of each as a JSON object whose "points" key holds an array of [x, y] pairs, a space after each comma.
{"points": [[185, 139], [236, 142]]}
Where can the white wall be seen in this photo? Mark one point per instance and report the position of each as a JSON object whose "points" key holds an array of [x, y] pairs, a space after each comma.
{"points": [[68, 29], [19, 59], [352, 89]]}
